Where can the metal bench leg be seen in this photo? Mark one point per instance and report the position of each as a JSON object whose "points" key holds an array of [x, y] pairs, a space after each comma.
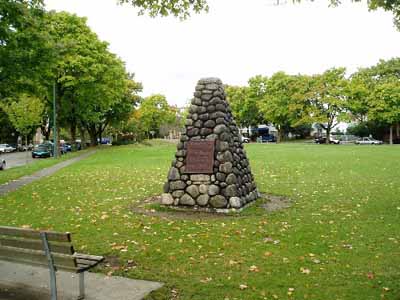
{"points": [[53, 281], [81, 286]]}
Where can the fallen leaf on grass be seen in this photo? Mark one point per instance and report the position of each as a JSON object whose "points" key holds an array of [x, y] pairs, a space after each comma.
{"points": [[254, 269], [243, 286], [305, 270]]}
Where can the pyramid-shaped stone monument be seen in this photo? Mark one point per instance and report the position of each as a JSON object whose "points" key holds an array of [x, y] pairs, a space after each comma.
{"points": [[210, 168]]}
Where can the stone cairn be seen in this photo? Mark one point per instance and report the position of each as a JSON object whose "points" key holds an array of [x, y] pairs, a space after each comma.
{"points": [[228, 182]]}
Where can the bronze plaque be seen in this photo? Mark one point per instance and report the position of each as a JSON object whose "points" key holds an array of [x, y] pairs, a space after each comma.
{"points": [[200, 157]]}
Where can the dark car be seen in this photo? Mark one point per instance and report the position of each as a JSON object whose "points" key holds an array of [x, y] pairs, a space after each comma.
{"points": [[268, 138], [322, 140], [68, 147], [41, 150]]}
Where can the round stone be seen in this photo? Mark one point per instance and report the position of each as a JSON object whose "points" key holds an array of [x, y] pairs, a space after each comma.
{"points": [[166, 187], [193, 190], [178, 194], [203, 117], [224, 156], [180, 153], [220, 129], [174, 174], [220, 121], [220, 107], [189, 122], [226, 167], [220, 176], [225, 136], [166, 199], [231, 179], [177, 185], [230, 191], [211, 108], [202, 200], [198, 124], [187, 200], [213, 190], [212, 86], [199, 87], [209, 124], [218, 201], [193, 131], [235, 202], [196, 101], [222, 146], [193, 109], [205, 131], [203, 188], [205, 97], [211, 137]]}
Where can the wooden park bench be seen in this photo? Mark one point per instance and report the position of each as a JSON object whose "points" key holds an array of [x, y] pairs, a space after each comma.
{"points": [[46, 248]]}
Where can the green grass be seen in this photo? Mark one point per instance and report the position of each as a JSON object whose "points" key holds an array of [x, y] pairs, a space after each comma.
{"points": [[14, 173], [339, 240]]}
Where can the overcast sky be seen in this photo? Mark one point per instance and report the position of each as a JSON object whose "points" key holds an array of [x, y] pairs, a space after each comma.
{"points": [[238, 39]]}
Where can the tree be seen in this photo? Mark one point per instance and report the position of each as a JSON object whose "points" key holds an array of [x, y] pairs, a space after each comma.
{"points": [[25, 114], [238, 98], [26, 51], [276, 102], [379, 99], [155, 111], [387, 5], [323, 99], [177, 8], [91, 83]]}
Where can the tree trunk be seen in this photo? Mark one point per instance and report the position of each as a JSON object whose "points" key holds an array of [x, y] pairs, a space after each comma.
{"points": [[279, 137], [73, 135], [398, 130], [328, 135], [93, 135], [391, 135], [83, 138]]}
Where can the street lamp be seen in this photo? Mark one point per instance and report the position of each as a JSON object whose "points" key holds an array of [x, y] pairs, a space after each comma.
{"points": [[55, 152]]}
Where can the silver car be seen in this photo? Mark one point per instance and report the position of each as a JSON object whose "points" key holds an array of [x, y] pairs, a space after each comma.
{"points": [[4, 148], [368, 141]]}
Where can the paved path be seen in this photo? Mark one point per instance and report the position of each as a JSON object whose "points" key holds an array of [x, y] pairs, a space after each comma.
{"points": [[16, 159], [23, 282], [16, 184]]}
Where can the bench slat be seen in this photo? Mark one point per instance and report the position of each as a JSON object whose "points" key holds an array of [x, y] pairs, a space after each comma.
{"points": [[37, 257], [35, 234], [88, 257], [63, 248]]}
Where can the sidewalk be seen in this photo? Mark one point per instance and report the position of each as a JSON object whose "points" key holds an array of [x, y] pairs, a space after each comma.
{"points": [[22, 282], [16, 184]]}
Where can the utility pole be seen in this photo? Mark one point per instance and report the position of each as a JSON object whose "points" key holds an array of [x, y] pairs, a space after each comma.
{"points": [[55, 152]]}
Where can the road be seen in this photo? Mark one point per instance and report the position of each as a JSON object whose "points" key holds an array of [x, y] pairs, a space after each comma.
{"points": [[16, 159]]}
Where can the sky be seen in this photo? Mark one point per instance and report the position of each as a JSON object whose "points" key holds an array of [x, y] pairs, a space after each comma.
{"points": [[237, 40]]}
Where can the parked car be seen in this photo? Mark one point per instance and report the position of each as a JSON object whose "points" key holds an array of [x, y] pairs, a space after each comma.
{"points": [[267, 138], [68, 147], [368, 141], [41, 150], [2, 164], [322, 140], [6, 148]]}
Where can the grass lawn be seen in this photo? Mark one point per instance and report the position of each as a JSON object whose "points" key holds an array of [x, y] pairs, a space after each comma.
{"points": [[14, 173], [339, 240]]}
